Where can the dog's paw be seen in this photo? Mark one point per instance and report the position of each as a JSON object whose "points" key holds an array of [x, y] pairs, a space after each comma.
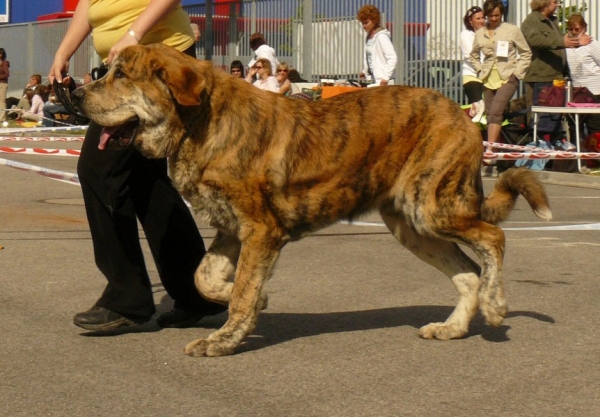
{"points": [[263, 301], [494, 312], [494, 309], [204, 347], [441, 331]]}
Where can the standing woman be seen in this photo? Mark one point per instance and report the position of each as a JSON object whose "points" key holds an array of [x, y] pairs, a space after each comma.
{"points": [[506, 57], [549, 62], [472, 85], [4, 74], [379, 58], [584, 65], [121, 186]]}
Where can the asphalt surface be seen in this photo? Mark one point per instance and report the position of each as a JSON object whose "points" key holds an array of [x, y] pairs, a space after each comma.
{"points": [[339, 337]]}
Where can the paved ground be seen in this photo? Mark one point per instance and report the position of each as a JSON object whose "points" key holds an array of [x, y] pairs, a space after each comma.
{"points": [[339, 337]]}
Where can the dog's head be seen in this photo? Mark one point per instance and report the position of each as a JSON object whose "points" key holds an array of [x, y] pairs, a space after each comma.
{"points": [[143, 96]]}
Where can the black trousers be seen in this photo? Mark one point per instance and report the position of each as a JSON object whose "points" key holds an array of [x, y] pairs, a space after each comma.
{"points": [[120, 187]]}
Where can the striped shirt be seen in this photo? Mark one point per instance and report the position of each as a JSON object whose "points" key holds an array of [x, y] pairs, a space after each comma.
{"points": [[584, 65]]}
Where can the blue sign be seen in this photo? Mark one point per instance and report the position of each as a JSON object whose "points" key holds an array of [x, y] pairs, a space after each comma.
{"points": [[4, 11]]}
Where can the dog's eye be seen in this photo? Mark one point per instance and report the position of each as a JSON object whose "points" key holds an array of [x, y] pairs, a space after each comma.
{"points": [[119, 74]]}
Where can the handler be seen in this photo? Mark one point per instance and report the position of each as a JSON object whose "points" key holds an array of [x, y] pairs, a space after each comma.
{"points": [[121, 187]]}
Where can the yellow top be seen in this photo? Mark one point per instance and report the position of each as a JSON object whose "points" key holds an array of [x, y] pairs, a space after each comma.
{"points": [[493, 81], [111, 19]]}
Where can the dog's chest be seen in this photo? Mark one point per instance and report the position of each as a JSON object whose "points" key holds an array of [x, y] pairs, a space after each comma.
{"points": [[207, 201]]}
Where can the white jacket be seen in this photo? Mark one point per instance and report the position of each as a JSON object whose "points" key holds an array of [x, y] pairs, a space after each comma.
{"points": [[466, 46], [265, 51], [383, 56]]}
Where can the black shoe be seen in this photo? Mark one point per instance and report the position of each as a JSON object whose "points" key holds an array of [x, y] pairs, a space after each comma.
{"points": [[100, 318], [180, 318]]}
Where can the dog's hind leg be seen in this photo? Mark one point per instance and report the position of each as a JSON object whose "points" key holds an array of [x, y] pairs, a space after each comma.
{"points": [[447, 257], [258, 254], [488, 242]]}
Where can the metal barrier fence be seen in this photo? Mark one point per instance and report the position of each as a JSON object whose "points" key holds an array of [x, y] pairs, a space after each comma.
{"points": [[319, 38]]}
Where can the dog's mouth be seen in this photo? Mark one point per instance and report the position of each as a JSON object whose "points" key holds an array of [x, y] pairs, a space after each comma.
{"points": [[114, 137]]}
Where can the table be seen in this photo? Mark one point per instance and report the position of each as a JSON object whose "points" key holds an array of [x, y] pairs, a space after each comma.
{"points": [[571, 111]]}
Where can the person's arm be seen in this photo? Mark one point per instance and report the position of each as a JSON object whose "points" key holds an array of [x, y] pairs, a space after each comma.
{"points": [[78, 30], [4, 71], [389, 54], [285, 87], [595, 52], [524, 54], [543, 37], [475, 55], [156, 10]]}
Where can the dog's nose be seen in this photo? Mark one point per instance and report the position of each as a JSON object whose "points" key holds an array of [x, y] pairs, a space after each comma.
{"points": [[77, 95]]}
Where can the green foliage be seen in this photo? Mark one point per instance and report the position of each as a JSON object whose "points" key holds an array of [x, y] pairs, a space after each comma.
{"points": [[564, 12]]}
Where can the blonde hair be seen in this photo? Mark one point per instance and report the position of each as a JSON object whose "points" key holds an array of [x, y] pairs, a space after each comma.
{"points": [[537, 5], [266, 65]]}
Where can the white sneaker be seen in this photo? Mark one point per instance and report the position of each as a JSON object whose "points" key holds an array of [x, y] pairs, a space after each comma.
{"points": [[477, 110]]}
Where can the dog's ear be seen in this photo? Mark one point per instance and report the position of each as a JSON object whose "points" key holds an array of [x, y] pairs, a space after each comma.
{"points": [[185, 79]]}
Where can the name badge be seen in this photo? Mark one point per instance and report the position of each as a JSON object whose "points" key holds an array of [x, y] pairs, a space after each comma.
{"points": [[502, 50]]}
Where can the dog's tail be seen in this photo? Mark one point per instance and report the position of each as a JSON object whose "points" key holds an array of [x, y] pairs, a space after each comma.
{"points": [[511, 183]]}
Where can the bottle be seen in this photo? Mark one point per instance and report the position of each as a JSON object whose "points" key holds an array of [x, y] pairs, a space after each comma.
{"points": [[569, 90]]}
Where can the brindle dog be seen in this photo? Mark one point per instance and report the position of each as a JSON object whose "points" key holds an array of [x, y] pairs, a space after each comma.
{"points": [[265, 170]]}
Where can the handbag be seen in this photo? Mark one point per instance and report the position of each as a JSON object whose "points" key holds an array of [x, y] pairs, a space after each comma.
{"points": [[582, 95], [552, 96]]}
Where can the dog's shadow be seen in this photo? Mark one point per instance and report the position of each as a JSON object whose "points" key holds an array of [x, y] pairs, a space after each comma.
{"points": [[276, 328]]}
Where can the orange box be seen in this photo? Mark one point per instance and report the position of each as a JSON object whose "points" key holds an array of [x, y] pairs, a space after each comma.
{"points": [[335, 90]]}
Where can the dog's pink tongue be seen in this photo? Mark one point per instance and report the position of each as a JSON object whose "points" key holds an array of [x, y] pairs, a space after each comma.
{"points": [[105, 135]]}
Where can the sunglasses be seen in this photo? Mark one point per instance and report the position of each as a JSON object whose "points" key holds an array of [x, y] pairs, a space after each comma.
{"points": [[236, 70], [257, 67], [282, 70]]}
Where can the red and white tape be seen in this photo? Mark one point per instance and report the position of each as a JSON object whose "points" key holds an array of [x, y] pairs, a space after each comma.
{"points": [[49, 173], [43, 138], [39, 151], [541, 155]]}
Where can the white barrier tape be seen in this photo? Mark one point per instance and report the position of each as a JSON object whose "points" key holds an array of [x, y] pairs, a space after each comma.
{"points": [[541, 155], [41, 129], [43, 138], [39, 151], [50, 173]]}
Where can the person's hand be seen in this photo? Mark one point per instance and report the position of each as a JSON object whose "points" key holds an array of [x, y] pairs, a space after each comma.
{"points": [[383, 82], [125, 41], [584, 39], [59, 70], [362, 75], [571, 42]]}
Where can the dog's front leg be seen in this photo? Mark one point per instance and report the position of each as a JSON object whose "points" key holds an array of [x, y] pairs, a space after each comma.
{"points": [[219, 263], [258, 255]]}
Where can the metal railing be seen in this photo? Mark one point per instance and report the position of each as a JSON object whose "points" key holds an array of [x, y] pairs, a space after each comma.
{"points": [[319, 38]]}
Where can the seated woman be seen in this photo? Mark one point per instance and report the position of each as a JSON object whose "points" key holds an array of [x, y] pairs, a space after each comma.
{"points": [[23, 103], [285, 86], [237, 69], [36, 98], [265, 81]]}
